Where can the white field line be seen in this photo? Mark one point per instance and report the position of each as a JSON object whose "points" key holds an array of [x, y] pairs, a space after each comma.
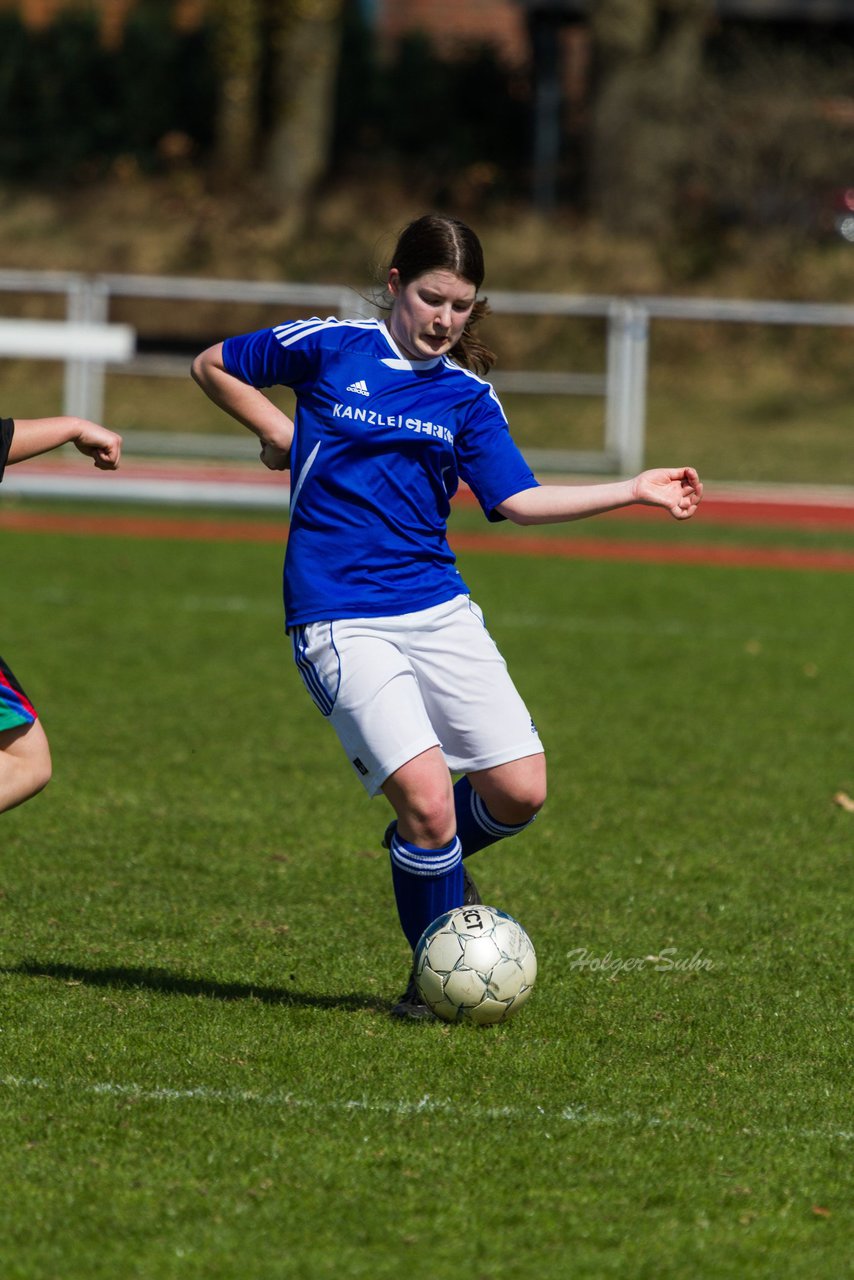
{"points": [[569, 1114]]}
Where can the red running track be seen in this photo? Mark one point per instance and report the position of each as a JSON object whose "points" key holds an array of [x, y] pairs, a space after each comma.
{"points": [[784, 507], [576, 548]]}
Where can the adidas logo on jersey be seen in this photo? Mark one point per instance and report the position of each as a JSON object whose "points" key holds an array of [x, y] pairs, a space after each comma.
{"points": [[359, 387]]}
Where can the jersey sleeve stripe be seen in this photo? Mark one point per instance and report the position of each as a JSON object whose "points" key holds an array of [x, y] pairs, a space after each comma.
{"points": [[288, 334], [484, 382]]}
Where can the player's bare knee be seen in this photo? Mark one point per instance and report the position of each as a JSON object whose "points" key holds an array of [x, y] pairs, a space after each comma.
{"points": [[519, 802], [535, 785], [536, 798], [33, 775], [527, 808], [41, 775], [38, 760], [430, 821], [437, 829]]}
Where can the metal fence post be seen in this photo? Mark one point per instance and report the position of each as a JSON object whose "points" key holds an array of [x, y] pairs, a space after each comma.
{"points": [[635, 443], [616, 379], [625, 408], [87, 303]]}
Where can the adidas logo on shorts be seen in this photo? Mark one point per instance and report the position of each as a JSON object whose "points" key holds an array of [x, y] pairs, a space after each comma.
{"points": [[359, 387]]}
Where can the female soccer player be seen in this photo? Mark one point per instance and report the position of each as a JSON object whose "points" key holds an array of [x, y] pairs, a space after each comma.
{"points": [[391, 415], [25, 765]]}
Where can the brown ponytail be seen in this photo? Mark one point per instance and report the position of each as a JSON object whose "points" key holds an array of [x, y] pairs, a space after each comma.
{"points": [[470, 352]]}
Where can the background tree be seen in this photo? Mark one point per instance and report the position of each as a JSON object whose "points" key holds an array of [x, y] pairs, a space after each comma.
{"points": [[305, 41], [278, 65], [648, 57], [238, 59]]}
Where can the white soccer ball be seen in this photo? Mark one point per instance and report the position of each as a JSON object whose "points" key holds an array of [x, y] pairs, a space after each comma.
{"points": [[475, 964]]}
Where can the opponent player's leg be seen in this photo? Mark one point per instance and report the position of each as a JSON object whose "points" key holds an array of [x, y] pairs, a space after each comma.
{"points": [[492, 804], [25, 765]]}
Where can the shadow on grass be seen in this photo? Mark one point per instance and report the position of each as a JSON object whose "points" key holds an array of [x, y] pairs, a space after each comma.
{"points": [[161, 980]]}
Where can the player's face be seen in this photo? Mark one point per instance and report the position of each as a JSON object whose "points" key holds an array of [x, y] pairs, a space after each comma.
{"points": [[429, 314]]}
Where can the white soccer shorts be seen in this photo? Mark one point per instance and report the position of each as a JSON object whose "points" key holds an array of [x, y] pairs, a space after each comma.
{"points": [[394, 687]]}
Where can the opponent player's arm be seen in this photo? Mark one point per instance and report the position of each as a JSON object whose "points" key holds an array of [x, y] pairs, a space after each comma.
{"points": [[677, 489], [247, 405], [39, 435]]}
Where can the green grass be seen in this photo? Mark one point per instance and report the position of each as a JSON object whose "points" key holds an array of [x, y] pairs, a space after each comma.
{"points": [[199, 945]]}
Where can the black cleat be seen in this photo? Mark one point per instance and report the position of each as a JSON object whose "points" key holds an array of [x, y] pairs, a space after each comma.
{"points": [[471, 896], [411, 1006]]}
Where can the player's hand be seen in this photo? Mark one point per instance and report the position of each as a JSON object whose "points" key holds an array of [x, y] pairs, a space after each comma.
{"points": [[102, 446], [678, 489], [274, 458]]}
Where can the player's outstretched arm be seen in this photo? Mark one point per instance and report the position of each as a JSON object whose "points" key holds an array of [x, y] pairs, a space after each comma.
{"points": [[248, 405], [676, 489], [39, 435]]}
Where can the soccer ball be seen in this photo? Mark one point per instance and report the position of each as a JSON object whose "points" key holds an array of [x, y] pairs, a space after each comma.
{"points": [[475, 964]]}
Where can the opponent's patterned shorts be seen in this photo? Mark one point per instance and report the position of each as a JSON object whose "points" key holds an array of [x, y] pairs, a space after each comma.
{"points": [[15, 707], [394, 687]]}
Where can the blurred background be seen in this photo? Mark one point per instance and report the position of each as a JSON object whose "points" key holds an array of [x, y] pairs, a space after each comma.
{"points": [[614, 150]]}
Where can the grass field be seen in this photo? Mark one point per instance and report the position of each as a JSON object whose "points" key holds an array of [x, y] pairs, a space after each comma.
{"points": [[198, 1074]]}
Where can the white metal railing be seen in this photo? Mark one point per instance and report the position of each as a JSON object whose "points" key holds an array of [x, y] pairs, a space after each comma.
{"points": [[88, 300], [41, 339]]}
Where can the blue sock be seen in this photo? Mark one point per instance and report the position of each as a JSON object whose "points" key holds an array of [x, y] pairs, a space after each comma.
{"points": [[476, 826], [427, 883]]}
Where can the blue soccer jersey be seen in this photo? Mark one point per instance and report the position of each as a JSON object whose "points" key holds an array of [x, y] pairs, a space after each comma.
{"points": [[380, 445]]}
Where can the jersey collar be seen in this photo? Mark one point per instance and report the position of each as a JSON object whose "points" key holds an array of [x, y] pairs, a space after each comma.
{"points": [[400, 361]]}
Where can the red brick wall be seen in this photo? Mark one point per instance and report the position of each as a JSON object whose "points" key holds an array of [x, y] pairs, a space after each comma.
{"points": [[452, 23]]}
